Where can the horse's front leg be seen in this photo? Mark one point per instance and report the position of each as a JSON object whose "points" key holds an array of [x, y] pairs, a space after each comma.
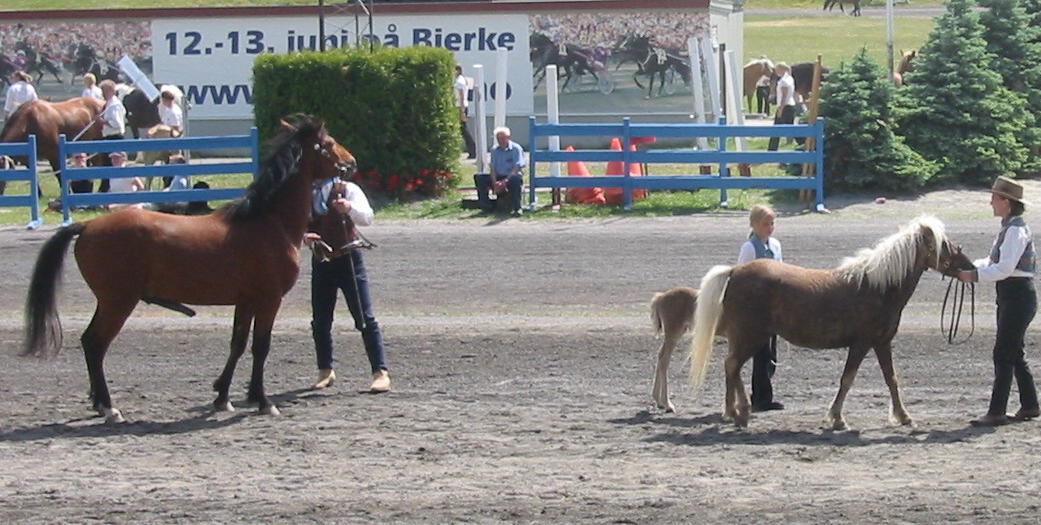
{"points": [[262, 325], [239, 334], [897, 412], [849, 373]]}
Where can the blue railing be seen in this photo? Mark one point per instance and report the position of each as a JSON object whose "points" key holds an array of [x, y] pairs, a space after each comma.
{"points": [[721, 132], [72, 173], [10, 173]]}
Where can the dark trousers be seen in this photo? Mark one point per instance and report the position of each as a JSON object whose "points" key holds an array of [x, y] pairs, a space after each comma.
{"points": [[468, 139], [346, 275], [762, 99], [106, 161], [764, 364], [483, 181], [787, 116], [1017, 304]]}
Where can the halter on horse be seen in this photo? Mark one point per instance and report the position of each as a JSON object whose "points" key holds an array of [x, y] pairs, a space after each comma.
{"points": [[857, 305], [245, 254]]}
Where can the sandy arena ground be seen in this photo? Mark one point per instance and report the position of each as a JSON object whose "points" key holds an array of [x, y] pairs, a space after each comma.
{"points": [[521, 353]]}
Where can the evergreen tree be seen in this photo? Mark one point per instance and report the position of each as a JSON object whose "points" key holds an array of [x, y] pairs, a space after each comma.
{"points": [[860, 149], [955, 110], [1016, 46]]}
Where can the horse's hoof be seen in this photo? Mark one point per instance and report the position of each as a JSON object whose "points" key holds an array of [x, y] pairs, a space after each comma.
{"points": [[670, 409], [839, 426], [113, 416], [270, 410], [223, 407]]}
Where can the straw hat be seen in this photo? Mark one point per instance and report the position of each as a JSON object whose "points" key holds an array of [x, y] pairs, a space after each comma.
{"points": [[1009, 189]]}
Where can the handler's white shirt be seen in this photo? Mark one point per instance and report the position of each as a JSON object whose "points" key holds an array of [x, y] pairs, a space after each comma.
{"points": [[19, 93], [361, 211], [1011, 249], [786, 82], [748, 251], [92, 91], [114, 117], [461, 87], [171, 116]]}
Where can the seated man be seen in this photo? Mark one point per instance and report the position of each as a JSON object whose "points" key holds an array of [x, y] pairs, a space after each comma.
{"points": [[506, 172]]}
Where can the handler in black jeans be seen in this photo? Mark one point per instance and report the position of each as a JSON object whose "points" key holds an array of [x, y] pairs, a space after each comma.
{"points": [[1011, 266]]}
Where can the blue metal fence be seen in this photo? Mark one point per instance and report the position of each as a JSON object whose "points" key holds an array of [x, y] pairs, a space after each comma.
{"points": [[626, 131], [11, 173], [71, 173]]}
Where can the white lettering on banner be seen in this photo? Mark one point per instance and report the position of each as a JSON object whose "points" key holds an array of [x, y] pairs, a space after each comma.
{"points": [[212, 59]]}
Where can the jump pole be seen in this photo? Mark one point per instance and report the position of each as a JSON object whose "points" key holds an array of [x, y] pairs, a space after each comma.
{"points": [[711, 67], [553, 117], [696, 87], [482, 120], [809, 170], [501, 62], [735, 109]]}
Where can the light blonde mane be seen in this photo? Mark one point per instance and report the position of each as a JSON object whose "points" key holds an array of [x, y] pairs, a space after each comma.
{"points": [[893, 258]]}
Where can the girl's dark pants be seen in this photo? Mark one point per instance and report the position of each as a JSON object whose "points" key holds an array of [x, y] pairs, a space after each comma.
{"points": [[1017, 304], [328, 278], [764, 363]]}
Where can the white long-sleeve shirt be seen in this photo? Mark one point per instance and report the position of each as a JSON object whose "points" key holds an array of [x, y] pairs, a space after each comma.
{"points": [[19, 93], [1011, 249], [361, 211]]}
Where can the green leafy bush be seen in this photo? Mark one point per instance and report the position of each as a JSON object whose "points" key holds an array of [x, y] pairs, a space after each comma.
{"points": [[392, 108], [860, 149]]}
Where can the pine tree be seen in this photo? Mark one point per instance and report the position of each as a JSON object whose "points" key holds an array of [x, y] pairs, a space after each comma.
{"points": [[1016, 46], [955, 110], [860, 149]]}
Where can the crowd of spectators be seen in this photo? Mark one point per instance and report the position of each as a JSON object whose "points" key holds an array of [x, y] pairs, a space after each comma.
{"points": [[60, 40]]}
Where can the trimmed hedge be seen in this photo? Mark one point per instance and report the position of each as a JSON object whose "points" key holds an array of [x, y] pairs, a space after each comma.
{"points": [[391, 108]]}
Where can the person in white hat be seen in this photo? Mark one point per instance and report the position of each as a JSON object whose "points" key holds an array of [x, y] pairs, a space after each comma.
{"points": [[123, 184], [1011, 266]]}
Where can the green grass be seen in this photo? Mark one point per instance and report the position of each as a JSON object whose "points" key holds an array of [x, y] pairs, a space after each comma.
{"points": [[837, 39]]}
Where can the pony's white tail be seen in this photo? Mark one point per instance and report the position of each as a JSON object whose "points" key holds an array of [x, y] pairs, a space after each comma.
{"points": [[706, 319]]}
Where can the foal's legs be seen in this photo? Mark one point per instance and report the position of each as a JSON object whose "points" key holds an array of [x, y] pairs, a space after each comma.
{"points": [[262, 325], [897, 411], [660, 391], [853, 359], [239, 334], [108, 319]]}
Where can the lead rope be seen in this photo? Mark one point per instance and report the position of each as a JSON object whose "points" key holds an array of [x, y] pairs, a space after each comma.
{"points": [[957, 303]]}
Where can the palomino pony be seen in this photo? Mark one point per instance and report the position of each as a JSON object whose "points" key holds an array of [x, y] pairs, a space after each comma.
{"points": [[47, 120], [904, 66], [672, 314], [857, 305], [753, 71], [245, 254]]}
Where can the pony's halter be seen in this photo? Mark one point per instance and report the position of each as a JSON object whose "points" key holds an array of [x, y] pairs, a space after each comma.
{"points": [[345, 169]]}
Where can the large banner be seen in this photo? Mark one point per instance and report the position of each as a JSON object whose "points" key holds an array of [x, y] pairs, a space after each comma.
{"points": [[213, 59]]}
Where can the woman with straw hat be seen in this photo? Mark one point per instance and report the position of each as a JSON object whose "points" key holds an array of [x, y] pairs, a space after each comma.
{"points": [[1011, 267]]}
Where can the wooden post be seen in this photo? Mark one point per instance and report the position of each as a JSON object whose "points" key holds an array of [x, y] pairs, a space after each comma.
{"points": [[808, 169]]}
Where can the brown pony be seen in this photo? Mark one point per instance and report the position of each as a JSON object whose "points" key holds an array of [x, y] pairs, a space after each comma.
{"points": [[904, 66], [49, 119], [857, 305], [245, 254], [672, 314], [753, 71]]}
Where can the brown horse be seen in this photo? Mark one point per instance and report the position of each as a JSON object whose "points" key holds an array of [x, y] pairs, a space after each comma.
{"points": [[245, 254], [904, 66], [47, 120], [857, 305], [672, 314]]}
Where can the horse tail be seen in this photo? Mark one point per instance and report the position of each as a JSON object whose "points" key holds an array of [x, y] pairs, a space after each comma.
{"points": [[42, 326], [655, 314], [706, 319]]}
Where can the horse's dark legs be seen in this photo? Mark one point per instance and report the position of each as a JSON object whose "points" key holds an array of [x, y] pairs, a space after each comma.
{"points": [[262, 326], [107, 321], [897, 413], [239, 334], [849, 373]]}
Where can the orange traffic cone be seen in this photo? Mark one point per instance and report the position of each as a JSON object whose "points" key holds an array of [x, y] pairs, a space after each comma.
{"points": [[615, 168], [636, 170], [582, 195]]}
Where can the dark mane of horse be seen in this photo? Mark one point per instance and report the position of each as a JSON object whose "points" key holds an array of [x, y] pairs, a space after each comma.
{"points": [[277, 167]]}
